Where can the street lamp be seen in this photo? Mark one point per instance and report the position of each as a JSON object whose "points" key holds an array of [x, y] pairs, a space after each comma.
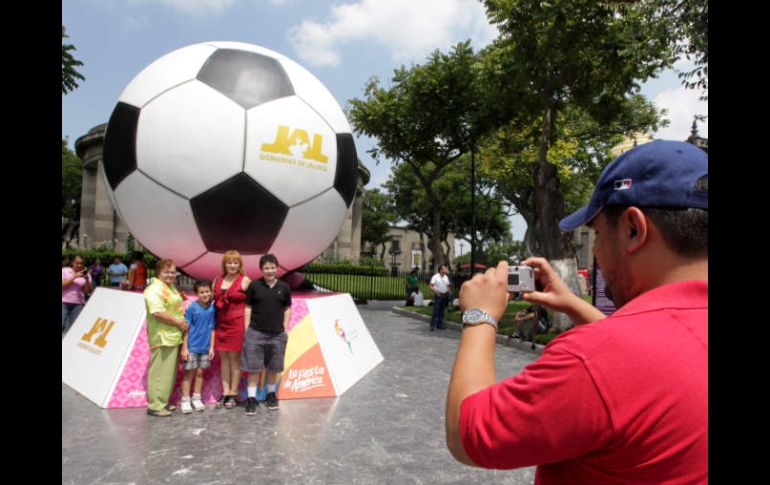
{"points": [[394, 253]]}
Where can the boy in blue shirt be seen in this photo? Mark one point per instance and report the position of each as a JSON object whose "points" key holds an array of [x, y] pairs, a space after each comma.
{"points": [[197, 350]]}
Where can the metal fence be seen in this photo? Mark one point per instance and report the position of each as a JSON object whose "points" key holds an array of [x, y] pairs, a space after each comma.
{"points": [[375, 285], [183, 281], [362, 284]]}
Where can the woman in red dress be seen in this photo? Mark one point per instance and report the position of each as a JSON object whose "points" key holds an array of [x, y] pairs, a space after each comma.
{"points": [[230, 294]]}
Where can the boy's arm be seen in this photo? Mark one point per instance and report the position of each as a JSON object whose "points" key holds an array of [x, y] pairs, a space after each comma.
{"points": [[246, 316], [211, 345], [286, 318], [185, 353]]}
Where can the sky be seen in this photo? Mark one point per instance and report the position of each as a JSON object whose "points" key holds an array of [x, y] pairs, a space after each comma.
{"points": [[342, 43]]}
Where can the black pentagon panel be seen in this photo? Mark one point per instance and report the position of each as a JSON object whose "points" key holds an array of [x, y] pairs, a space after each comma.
{"points": [[238, 213], [119, 155], [247, 78], [346, 178]]}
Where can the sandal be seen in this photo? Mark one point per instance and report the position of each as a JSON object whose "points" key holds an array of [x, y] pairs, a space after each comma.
{"points": [[220, 402], [230, 402], [163, 413]]}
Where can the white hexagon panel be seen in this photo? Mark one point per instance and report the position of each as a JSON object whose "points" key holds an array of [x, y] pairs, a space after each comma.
{"points": [[190, 138], [170, 70], [229, 146], [292, 156], [167, 222], [306, 221]]}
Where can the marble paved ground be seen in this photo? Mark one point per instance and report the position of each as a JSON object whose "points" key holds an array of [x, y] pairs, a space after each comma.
{"points": [[388, 428]]}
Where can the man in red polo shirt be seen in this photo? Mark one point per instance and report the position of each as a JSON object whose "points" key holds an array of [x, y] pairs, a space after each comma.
{"points": [[621, 399]]}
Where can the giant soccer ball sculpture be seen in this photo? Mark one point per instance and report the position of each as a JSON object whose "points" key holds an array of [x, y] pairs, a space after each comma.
{"points": [[224, 145]]}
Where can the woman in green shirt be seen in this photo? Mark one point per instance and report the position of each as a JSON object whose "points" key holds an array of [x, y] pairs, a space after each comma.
{"points": [[165, 328]]}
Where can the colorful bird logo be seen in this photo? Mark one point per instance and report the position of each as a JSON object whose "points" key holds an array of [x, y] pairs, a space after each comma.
{"points": [[341, 332]]}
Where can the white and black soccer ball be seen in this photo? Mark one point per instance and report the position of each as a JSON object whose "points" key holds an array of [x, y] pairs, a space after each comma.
{"points": [[225, 145]]}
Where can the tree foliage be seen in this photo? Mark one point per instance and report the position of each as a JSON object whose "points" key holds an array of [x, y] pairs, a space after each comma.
{"points": [[689, 26], [71, 186], [412, 206], [425, 120], [378, 215], [68, 64], [580, 150], [568, 54]]}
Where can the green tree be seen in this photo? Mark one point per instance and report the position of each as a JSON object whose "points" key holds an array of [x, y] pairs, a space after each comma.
{"points": [[689, 25], [412, 205], [424, 121], [377, 217], [71, 186], [584, 53], [68, 64], [580, 150]]}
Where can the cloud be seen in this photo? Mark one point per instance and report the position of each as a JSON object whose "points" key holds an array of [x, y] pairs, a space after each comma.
{"points": [[409, 29], [682, 105], [196, 8]]}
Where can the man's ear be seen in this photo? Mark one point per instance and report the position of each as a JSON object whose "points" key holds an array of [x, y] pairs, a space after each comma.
{"points": [[635, 229]]}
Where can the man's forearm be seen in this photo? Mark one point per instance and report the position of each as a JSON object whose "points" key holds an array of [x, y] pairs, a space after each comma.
{"points": [[474, 370], [580, 311]]}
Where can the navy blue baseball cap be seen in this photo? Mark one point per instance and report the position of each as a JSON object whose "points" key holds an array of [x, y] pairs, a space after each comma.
{"points": [[660, 173]]}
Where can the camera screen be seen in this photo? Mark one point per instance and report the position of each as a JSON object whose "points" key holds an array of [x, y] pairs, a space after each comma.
{"points": [[513, 278]]}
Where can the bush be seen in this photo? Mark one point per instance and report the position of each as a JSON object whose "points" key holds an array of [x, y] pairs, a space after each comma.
{"points": [[106, 256], [368, 261], [344, 268]]}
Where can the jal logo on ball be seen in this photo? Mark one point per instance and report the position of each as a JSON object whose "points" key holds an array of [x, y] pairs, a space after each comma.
{"points": [[297, 144]]}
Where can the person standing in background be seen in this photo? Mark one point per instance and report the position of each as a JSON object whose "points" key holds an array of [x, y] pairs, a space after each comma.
{"points": [[439, 285]]}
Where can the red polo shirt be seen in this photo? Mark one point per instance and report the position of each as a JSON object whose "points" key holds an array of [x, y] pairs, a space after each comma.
{"points": [[620, 400]]}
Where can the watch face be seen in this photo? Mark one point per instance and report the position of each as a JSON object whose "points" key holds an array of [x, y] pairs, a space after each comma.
{"points": [[472, 316], [475, 316]]}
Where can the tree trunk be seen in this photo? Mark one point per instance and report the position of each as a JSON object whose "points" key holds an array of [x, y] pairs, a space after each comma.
{"points": [[435, 238], [549, 203], [567, 269], [549, 209]]}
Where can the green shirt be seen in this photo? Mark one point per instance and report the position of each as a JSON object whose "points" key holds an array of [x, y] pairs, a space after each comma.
{"points": [[159, 297], [411, 281]]}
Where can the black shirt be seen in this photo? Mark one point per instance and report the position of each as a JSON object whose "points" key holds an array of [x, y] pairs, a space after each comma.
{"points": [[267, 305]]}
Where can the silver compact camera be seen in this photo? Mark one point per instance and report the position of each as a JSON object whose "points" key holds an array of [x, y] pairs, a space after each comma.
{"points": [[521, 278]]}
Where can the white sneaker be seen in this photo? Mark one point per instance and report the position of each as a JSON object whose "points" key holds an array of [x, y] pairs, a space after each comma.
{"points": [[198, 405], [186, 407]]}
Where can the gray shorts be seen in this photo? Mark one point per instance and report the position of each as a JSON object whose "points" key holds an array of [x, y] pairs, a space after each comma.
{"points": [[197, 361], [261, 349]]}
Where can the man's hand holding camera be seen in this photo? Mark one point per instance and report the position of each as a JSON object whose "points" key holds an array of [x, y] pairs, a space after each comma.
{"points": [[487, 291], [554, 293]]}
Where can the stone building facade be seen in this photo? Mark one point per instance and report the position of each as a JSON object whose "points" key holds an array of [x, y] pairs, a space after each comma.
{"points": [[407, 250], [100, 224]]}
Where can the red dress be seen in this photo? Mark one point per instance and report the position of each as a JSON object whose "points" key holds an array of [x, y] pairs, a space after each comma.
{"points": [[230, 305]]}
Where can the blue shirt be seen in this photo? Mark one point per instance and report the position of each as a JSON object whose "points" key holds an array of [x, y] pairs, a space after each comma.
{"points": [[121, 271], [201, 322]]}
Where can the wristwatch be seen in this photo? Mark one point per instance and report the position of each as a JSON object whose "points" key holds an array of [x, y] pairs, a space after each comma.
{"points": [[475, 316]]}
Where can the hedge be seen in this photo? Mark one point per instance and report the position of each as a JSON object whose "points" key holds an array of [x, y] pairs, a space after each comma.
{"points": [[345, 268], [106, 256]]}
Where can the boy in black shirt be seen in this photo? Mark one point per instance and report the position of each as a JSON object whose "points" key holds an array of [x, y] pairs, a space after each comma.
{"points": [[267, 314]]}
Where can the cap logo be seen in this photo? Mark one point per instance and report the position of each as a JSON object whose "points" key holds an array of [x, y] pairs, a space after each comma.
{"points": [[624, 184]]}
